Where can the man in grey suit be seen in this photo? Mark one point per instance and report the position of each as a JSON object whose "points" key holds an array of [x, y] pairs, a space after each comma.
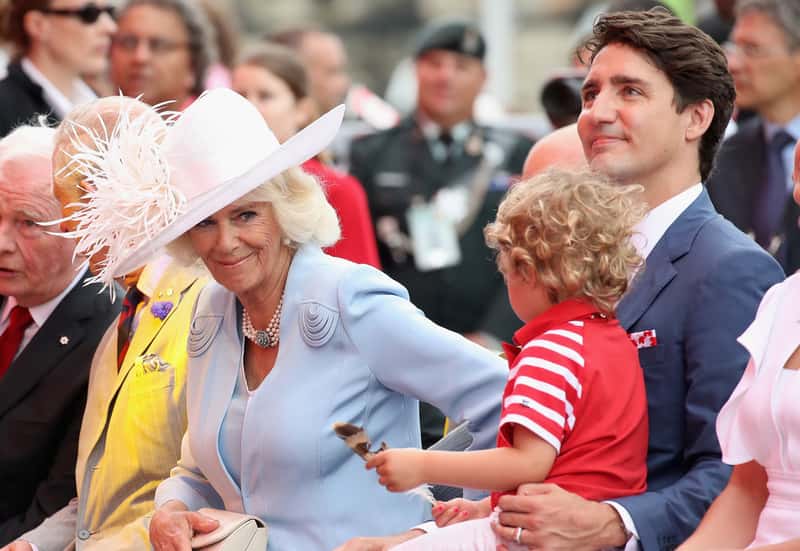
{"points": [[751, 185], [50, 324]]}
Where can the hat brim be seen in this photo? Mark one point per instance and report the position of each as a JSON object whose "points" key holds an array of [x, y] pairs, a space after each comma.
{"points": [[296, 150]]}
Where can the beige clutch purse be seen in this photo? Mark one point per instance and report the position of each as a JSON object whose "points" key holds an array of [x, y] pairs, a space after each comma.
{"points": [[236, 532]]}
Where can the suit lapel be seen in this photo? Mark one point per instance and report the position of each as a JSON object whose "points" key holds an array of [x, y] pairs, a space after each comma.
{"points": [[61, 333], [174, 284], [105, 380], [659, 269]]}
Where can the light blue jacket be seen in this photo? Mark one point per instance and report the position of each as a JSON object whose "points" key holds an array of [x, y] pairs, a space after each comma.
{"points": [[354, 349]]}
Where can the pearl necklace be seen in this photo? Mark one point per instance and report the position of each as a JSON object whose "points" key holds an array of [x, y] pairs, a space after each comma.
{"points": [[264, 338]]}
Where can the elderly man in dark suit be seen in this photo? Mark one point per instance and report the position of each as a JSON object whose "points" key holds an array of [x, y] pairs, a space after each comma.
{"points": [[751, 185], [50, 325], [433, 182]]}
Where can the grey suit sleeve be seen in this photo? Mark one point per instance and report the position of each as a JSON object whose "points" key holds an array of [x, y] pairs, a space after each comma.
{"points": [[725, 305], [57, 531]]}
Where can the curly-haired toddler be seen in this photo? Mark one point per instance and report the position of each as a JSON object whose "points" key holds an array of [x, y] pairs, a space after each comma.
{"points": [[574, 410]]}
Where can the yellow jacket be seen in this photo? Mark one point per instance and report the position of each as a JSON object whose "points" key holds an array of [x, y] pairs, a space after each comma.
{"points": [[132, 426]]}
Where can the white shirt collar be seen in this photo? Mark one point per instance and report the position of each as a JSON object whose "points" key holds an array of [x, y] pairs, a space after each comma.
{"points": [[649, 231], [41, 312], [787, 155], [61, 104]]}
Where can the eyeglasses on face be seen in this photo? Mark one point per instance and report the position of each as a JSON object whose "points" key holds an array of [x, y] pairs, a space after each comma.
{"points": [[750, 51], [156, 45], [88, 13]]}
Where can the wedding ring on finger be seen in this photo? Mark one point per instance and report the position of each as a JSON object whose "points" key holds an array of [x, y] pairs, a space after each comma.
{"points": [[518, 534]]}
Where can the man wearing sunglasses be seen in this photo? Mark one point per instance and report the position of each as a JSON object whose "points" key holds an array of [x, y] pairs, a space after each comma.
{"points": [[56, 43]]}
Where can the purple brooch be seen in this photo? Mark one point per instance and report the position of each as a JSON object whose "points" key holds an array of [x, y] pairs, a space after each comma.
{"points": [[161, 309]]}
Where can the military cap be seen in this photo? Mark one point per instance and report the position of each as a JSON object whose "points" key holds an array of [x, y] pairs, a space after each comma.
{"points": [[456, 36]]}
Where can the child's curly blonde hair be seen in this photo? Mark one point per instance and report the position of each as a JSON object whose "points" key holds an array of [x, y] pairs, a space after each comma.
{"points": [[572, 231]]}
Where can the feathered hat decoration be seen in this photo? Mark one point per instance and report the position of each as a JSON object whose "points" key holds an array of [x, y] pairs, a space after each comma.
{"points": [[127, 196], [147, 181]]}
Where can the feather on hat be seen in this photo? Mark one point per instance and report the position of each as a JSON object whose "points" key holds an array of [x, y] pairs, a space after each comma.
{"points": [[147, 184]]}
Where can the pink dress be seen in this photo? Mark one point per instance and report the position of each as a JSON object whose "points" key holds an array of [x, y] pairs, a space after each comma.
{"points": [[761, 420]]}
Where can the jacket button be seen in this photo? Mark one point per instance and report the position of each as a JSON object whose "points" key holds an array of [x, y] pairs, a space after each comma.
{"points": [[84, 534]]}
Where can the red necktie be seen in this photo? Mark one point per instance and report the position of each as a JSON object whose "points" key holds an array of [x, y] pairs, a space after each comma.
{"points": [[132, 299], [12, 337]]}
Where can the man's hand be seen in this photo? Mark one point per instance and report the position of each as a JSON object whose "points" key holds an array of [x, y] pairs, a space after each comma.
{"points": [[556, 520], [398, 469], [172, 527], [19, 545], [378, 544], [457, 510]]}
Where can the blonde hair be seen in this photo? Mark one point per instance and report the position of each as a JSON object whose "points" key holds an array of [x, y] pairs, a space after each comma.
{"points": [[573, 231], [301, 210]]}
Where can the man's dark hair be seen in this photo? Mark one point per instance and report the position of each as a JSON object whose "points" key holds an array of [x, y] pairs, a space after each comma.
{"points": [[691, 60], [202, 41], [12, 16]]}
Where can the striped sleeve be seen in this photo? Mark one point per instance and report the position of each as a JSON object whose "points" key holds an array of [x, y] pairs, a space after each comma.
{"points": [[546, 385]]}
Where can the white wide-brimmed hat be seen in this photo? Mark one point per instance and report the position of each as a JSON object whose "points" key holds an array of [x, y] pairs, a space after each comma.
{"points": [[145, 191]]}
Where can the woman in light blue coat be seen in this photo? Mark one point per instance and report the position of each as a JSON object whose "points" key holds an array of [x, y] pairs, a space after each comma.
{"points": [[288, 340]]}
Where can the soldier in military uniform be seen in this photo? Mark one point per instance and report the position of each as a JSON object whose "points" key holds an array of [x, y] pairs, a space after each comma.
{"points": [[433, 182]]}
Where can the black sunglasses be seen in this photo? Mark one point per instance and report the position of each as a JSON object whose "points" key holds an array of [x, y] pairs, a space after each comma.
{"points": [[88, 13]]}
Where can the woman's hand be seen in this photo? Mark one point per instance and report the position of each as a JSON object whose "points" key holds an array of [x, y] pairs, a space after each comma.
{"points": [[457, 510], [172, 527], [399, 469]]}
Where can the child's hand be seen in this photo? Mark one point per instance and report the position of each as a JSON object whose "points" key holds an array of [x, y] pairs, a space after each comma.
{"points": [[457, 510], [398, 469]]}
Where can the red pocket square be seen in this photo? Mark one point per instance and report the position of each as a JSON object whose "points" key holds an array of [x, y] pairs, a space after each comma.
{"points": [[644, 339]]}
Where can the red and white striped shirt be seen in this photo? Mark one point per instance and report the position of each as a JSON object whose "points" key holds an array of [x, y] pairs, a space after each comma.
{"points": [[575, 382]]}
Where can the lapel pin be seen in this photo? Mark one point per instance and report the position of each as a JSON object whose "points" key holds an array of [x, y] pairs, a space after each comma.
{"points": [[63, 340], [161, 309]]}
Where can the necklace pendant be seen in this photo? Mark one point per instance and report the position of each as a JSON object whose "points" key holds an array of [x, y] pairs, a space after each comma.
{"points": [[262, 339]]}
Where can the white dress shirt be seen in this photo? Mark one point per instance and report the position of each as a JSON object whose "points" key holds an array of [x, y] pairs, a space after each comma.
{"points": [[39, 313], [55, 98]]}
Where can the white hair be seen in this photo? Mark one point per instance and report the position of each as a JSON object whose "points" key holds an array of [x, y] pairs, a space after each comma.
{"points": [[301, 209], [25, 156]]}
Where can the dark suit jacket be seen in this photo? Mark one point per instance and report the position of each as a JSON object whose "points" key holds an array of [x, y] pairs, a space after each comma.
{"points": [[42, 397], [699, 290], [21, 100], [736, 180], [396, 166]]}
